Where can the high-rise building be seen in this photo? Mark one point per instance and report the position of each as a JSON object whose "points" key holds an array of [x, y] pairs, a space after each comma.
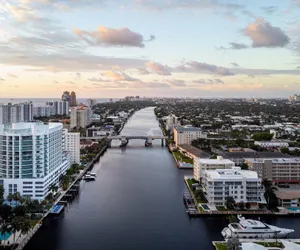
{"points": [[33, 157], [91, 102], [80, 117], [185, 135], [73, 99], [66, 96], [21, 112], [72, 145], [63, 108]]}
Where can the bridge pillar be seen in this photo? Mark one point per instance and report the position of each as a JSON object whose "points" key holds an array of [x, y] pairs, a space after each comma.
{"points": [[162, 142], [124, 141]]}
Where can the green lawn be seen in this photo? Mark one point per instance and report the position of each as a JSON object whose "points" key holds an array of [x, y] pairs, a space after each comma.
{"points": [[180, 157], [222, 246], [221, 208], [34, 221]]}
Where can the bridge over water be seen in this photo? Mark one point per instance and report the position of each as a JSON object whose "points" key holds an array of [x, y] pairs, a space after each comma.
{"points": [[125, 138]]}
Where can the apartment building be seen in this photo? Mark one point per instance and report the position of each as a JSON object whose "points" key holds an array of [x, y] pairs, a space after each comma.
{"points": [[32, 158], [21, 112], [279, 170], [80, 117], [185, 135], [201, 164], [72, 145], [243, 185]]}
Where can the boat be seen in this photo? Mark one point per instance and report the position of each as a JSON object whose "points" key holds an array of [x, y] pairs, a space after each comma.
{"points": [[91, 174], [253, 229], [88, 177]]}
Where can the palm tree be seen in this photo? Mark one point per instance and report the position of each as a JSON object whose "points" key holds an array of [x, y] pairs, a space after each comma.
{"points": [[269, 193], [15, 226], [10, 198], [234, 244], [25, 226], [1, 194], [4, 229]]}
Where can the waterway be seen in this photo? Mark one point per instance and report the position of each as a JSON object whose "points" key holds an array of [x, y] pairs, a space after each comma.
{"points": [[135, 203]]}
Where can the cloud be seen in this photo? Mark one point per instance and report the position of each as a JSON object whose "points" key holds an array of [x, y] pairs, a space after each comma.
{"points": [[263, 34], [2, 79], [118, 76], [208, 81], [78, 75], [157, 68], [70, 82], [12, 75], [235, 64], [97, 79], [238, 46], [142, 71], [105, 36], [270, 9], [204, 67], [140, 84], [176, 83]]}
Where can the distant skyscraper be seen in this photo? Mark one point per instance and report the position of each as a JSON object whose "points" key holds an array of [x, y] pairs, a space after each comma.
{"points": [[73, 99], [65, 96], [80, 117], [21, 112], [91, 102]]}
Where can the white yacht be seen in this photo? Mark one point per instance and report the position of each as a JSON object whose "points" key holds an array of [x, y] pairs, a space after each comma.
{"points": [[253, 229], [88, 177]]}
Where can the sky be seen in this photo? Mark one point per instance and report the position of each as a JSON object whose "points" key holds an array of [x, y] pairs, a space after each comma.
{"points": [[163, 48]]}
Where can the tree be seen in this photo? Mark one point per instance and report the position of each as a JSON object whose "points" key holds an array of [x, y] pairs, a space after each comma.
{"points": [[230, 202], [241, 205], [19, 211], [262, 136], [10, 198], [15, 226], [248, 206], [234, 244], [5, 212], [244, 166], [5, 229], [1, 194], [285, 150], [272, 201]]}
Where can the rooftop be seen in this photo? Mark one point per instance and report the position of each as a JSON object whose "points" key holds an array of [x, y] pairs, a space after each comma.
{"points": [[219, 161], [288, 194], [28, 127], [188, 129], [233, 173], [195, 151], [274, 160], [240, 154]]}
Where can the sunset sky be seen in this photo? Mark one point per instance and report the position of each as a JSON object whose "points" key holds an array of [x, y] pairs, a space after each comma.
{"points": [[165, 48]]}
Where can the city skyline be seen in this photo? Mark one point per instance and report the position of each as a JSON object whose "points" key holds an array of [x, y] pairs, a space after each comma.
{"points": [[192, 48]]}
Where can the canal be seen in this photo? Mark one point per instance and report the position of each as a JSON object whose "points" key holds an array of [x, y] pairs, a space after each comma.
{"points": [[135, 203]]}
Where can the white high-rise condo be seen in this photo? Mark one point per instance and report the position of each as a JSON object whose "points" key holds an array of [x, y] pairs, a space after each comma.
{"points": [[185, 135], [80, 117], [21, 112], [32, 158]]}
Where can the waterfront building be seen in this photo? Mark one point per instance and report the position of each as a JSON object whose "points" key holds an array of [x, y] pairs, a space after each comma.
{"points": [[72, 145], [185, 135], [243, 185], [271, 144], [73, 101], [21, 112], [33, 157], [193, 152], [80, 117], [288, 197], [279, 170], [201, 164], [52, 108]]}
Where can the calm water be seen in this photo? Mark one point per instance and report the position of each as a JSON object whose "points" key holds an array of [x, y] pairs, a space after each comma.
{"points": [[135, 203]]}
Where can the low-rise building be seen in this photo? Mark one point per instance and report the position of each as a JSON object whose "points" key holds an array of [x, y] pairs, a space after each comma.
{"points": [[200, 165], [272, 144], [185, 135], [288, 197], [32, 158], [193, 152], [243, 185], [279, 170]]}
